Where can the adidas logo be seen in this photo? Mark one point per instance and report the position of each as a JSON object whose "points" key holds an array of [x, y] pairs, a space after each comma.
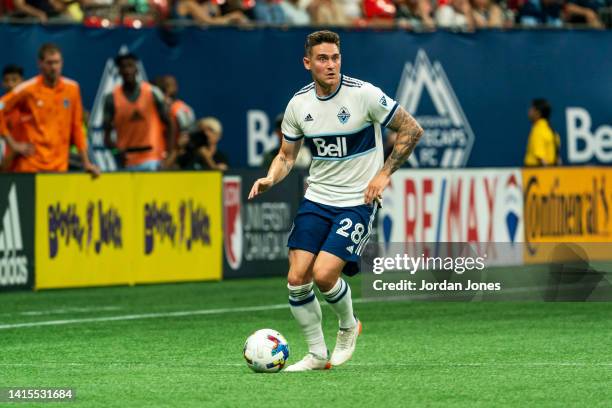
{"points": [[383, 101], [13, 267], [308, 118]]}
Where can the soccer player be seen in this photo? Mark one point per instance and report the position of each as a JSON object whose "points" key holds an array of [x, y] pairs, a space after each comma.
{"points": [[137, 110], [340, 119], [51, 112]]}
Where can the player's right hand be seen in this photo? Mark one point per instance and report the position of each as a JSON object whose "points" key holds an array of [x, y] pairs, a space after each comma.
{"points": [[23, 148], [261, 185]]}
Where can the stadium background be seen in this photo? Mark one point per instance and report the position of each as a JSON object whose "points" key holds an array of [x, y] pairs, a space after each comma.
{"points": [[125, 229]]}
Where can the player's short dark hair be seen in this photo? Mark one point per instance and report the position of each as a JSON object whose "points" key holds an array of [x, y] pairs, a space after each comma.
{"points": [[543, 107], [48, 48], [125, 57], [320, 37], [12, 69]]}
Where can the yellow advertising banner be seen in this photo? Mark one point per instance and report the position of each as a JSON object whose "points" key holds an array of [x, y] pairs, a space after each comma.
{"points": [[178, 224], [567, 205], [127, 229], [83, 237]]}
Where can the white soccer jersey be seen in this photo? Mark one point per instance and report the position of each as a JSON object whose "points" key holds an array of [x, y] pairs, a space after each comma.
{"points": [[343, 132]]}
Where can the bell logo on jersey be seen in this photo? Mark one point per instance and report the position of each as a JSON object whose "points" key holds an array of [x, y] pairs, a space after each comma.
{"points": [[330, 149]]}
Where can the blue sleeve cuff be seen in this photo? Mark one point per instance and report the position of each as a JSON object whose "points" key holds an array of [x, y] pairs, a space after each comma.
{"points": [[390, 115], [292, 139]]}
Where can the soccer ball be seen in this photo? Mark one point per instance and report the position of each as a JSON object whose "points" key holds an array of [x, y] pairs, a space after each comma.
{"points": [[266, 351]]}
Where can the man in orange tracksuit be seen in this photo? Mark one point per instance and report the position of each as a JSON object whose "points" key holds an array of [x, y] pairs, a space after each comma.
{"points": [[50, 112], [137, 111]]}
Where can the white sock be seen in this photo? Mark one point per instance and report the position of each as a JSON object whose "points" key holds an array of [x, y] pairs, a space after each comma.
{"points": [[339, 299], [307, 311]]}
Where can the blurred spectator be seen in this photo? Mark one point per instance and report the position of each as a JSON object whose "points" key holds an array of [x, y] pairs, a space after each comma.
{"points": [[487, 14], [304, 157], [294, 13], [12, 75], [584, 12], [50, 114], [541, 12], [101, 13], [457, 14], [138, 112], [379, 13], [42, 10], [200, 152], [327, 13], [414, 14], [208, 12], [352, 10], [544, 145], [269, 12], [181, 115]]}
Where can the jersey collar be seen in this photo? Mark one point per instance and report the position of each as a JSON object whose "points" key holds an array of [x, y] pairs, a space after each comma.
{"points": [[327, 98]]}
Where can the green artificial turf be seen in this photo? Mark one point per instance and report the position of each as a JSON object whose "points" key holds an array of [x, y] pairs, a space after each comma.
{"points": [[410, 353]]}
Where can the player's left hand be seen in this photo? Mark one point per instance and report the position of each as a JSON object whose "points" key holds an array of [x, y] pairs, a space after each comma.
{"points": [[376, 187], [261, 185]]}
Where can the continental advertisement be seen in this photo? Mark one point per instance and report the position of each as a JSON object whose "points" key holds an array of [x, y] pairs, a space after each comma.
{"points": [[567, 214], [127, 229]]}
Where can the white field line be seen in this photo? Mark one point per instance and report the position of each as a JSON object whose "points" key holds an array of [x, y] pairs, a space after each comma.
{"points": [[64, 310], [352, 364], [157, 315], [185, 313], [145, 316]]}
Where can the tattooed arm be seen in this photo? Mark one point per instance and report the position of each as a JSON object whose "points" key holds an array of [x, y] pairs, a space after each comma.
{"points": [[408, 134], [280, 167]]}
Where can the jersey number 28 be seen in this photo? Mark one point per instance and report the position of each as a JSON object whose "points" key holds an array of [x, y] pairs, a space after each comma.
{"points": [[345, 226]]}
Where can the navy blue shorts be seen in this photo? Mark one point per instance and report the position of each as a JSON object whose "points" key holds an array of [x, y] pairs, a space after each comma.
{"points": [[342, 231]]}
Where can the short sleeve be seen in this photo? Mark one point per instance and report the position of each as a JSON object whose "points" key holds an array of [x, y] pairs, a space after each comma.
{"points": [[292, 132], [539, 142], [380, 107]]}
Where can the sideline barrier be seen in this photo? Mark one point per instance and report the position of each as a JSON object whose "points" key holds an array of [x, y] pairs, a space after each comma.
{"points": [[256, 231], [565, 206], [437, 206], [127, 229], [71, 231], [16, 232]]}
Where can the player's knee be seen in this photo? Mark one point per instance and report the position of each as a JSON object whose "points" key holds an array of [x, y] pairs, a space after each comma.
{"points": [[324, 278], [297, 277]]}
